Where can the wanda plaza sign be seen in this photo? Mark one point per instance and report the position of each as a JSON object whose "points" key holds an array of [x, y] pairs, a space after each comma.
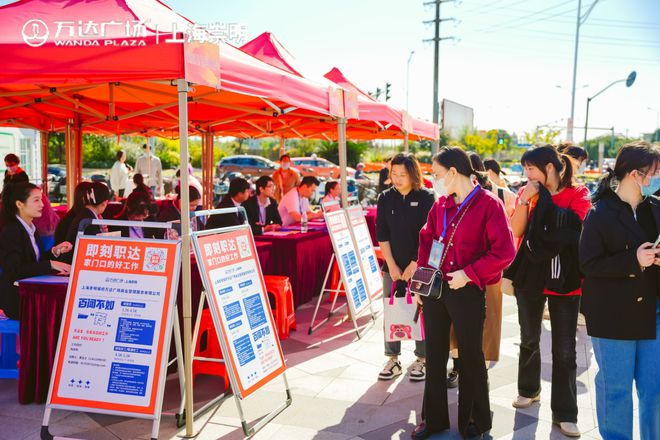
{"points": [[36, 33]]}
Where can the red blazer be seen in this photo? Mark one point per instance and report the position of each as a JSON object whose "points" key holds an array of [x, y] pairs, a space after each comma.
{"points": [[483, 244]]}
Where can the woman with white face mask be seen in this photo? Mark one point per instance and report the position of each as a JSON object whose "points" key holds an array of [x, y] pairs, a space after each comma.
{"points": [[621, 290], [466, 237]]}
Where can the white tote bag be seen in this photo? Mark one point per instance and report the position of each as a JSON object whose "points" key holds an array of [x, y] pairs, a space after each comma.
{"points": [[398, 319]]}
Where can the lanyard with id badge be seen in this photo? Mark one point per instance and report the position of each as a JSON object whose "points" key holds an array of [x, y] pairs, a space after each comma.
{"points": [[426, 281]]}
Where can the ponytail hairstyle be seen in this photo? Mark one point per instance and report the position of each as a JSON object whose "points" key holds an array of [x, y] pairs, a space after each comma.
{"points": [[478, 165], [541, 156], [455, 157], [12, 193], [96, 194], [79, 196], [639, 155]]}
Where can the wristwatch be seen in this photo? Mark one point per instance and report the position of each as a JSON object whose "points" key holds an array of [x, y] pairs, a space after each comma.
{"points": [[521, 201]]}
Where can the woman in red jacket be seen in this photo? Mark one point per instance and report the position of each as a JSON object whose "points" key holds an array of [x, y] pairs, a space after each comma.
{"points": [[481, 247]]}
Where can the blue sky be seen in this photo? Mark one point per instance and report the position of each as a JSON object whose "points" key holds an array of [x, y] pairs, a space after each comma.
{"points": [[511, 56]]}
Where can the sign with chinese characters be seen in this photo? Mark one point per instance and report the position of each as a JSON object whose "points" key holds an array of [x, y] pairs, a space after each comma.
{"points": [[235, 286], [114, 340], [347, 259], [360, 230]]}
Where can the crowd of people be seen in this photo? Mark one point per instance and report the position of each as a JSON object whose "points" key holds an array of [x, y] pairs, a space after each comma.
{"points": [[553, 244]]}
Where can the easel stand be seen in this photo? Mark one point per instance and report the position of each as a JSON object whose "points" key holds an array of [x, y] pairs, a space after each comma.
{"points": [[340, 289]]}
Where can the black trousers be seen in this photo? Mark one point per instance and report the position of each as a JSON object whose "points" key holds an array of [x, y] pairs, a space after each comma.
{"points": [[466, 309], [563, 319]]}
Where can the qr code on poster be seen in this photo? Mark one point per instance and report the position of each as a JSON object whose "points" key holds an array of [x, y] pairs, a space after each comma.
{"points": [[154, 260], [243, 246]]}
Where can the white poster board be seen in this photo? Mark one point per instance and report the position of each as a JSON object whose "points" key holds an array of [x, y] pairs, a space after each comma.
{"points": [[115, 337], [360, 230], [238, 300], [347, 259]]}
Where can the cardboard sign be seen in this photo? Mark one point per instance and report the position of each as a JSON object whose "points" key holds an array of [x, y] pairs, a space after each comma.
{"points": [[372, 275], [238, 300], [112, 352], [347, 258]]}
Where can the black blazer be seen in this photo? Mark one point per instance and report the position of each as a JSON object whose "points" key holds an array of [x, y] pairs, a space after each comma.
{"points": [[251, 206], [619, 298], [18, 261], [224, 220]]}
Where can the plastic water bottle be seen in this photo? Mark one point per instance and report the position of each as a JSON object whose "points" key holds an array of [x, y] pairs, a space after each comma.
{"points": [[303, 222]]}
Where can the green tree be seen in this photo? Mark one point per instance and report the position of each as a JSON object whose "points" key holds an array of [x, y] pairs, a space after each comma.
{"points": [[56, 148], [354, 151], [541, 135], [486, 143], [611, 145], [98, 151]]}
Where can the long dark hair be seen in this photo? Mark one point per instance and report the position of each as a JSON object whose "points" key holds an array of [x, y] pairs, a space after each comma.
{"points": [[409, 161], [542, 155], [13, 193], [455, 157], [638, 155]]}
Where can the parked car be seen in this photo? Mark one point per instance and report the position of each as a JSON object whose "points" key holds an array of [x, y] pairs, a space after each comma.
{"points": [[319, 167], [56, 183], [254, 166]]}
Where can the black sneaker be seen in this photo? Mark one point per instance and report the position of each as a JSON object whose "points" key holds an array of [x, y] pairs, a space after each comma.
{"points": [[452, 378], [391, 370]]}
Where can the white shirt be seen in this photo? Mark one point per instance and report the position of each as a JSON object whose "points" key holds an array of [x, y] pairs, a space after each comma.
{"points": [[292, 202], [31, 229], [152, 170], [119, 176]]}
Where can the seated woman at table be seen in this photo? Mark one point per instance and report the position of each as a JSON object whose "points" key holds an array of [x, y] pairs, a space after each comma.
{"points": [[78, 205], [332, 190], [261, 208], [21, 252], [138, 181], [172, 212], [95, 200], [295, 203], [136, 209]]}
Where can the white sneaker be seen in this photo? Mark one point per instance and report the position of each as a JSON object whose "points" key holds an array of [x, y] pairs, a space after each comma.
{"points": [[391, 370], [568, 429], [525, 402], [417, 370]]}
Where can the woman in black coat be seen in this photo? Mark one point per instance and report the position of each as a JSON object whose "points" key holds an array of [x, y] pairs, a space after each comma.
{"points": [[621, 292], [79, 195], [21, 252]]}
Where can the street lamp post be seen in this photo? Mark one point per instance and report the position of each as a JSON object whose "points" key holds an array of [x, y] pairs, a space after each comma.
{"points": [[629, 82], [412, 52], [580, 21]]}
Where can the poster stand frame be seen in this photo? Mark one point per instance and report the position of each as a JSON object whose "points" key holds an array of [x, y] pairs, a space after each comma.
{"points": [[247, 429], [351, 309], [165, 362]]}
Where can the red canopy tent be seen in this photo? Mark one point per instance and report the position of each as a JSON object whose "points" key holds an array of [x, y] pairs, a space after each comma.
{"points": [[76, 65], [387, 121]]}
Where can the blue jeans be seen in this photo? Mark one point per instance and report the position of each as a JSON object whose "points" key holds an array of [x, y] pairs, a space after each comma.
{"points": [[394, 348], [620, 362]]}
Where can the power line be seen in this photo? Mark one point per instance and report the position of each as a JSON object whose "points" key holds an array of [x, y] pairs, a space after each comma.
{"points": [[524, 17]]}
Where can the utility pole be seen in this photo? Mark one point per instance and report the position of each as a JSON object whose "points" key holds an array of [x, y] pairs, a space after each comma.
{"points": [[581, 18], [436, 59]]}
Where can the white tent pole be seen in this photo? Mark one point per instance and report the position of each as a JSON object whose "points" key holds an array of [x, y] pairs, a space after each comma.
{"points": [[282, 146], [182, 88], [405, 141], [341, 129]]}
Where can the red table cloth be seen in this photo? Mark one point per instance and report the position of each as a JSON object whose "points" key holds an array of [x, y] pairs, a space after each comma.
{"points": [[304, 258], [42, 306]]}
